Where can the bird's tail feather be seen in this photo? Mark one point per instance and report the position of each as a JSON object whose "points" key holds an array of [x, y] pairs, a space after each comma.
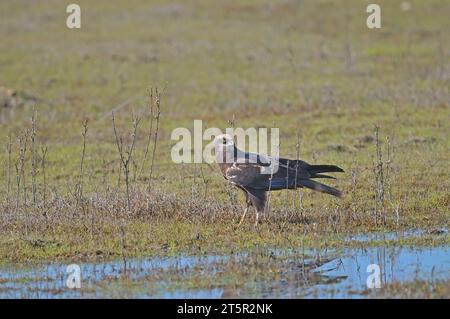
{"points": [[308, 183], [322, 176], [315, 169]]}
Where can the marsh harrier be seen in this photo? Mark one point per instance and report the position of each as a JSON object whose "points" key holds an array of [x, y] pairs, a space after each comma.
{"points": [[243, 170]]}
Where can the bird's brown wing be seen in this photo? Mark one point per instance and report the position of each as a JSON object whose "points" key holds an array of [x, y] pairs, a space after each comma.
{"points": [[242, 174], [249, 175], [245, 176], [290, 175]]}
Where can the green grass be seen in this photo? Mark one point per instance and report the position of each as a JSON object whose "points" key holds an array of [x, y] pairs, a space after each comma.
{"points": [[309, 66]]}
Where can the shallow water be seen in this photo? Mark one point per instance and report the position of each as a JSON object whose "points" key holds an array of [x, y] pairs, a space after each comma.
{"points": [[266, 273], [397, 265]]}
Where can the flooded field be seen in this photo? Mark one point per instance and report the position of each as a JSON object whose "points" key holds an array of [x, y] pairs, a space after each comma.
{"points": [[260, 273]]}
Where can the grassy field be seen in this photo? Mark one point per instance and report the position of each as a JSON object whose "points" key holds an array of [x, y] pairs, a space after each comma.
{"points": [[311, 68]]}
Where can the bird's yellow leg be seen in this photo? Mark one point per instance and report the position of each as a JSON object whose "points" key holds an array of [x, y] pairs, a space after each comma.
{"points": [[243, 215], [257, 218]]}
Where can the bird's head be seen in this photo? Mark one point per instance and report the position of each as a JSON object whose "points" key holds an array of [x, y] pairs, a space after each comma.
{"points": [[224, 144], [223, 141]]}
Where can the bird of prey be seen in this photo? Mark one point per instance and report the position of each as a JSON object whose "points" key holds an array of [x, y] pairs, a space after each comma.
{"points": [[243, 170]]}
